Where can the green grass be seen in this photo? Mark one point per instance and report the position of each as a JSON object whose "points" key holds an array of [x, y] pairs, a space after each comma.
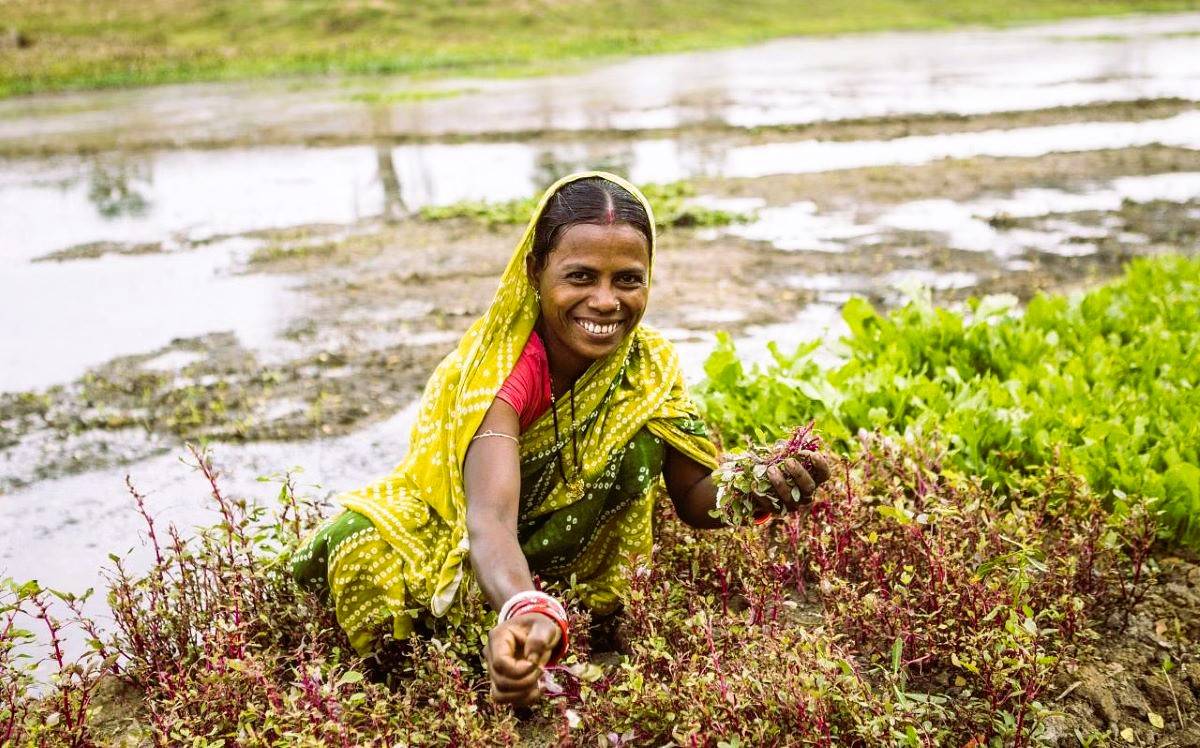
{"points": [[407, 96], [670, 203], [106, 43]]}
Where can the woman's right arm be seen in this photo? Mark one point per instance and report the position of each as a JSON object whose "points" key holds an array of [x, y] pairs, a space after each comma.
{"points": [[492, 474], [517, 649]]}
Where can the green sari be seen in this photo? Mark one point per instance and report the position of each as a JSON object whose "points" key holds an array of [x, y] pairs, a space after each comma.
{"points": [[400, 550]]}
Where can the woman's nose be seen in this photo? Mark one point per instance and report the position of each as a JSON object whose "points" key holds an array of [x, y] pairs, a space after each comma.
{"points": [[604, 299]]}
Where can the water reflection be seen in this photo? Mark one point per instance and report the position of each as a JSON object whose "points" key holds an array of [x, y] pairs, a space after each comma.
{"points": [[193, 195], [119, 188], [393, 197]]}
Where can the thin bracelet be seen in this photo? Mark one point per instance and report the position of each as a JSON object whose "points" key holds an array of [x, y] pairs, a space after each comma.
{"points": [[489, 432]]}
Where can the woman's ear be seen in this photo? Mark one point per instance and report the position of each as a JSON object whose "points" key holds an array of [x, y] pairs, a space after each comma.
{"points": [[532, 271]]}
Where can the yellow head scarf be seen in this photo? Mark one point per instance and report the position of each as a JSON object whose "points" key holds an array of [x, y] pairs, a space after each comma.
{"points": [[415, 555]]}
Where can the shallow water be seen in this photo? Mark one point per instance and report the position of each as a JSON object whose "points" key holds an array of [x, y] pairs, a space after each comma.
{"points": [[59, 319], [964, 225], [175, 196], [191, 196]]}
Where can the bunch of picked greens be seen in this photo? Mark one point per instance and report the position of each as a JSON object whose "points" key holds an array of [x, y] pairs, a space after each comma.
{"points": [[742, 476]]}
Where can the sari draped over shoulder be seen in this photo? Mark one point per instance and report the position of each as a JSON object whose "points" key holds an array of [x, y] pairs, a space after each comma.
{"points": [[400, 550]]}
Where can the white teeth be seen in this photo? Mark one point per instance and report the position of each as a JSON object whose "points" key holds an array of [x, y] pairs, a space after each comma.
{"points": [[595, 329]]}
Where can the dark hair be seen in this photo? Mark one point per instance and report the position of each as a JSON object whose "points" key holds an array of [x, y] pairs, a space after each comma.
{"points": [[589, 200]]}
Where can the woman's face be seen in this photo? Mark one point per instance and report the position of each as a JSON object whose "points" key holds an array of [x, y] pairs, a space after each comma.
{"points": [[594, 289]]}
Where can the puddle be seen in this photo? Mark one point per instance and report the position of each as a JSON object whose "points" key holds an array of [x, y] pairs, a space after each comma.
{"points": [[965, 225], [179, 195], [49, 206], [921, 278], [172, 361], [786, 81], [801, 227], [815, 156], [61, 318]]}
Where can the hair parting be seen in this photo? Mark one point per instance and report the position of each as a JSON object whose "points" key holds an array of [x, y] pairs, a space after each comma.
{"points": [[592, 200]]}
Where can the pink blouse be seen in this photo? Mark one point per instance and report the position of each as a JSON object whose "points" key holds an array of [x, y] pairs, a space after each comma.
{"points": [[527, 388]]}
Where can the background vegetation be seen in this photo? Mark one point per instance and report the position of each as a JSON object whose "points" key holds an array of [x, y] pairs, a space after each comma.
{"points": [[1108, 382], [61, 44]]}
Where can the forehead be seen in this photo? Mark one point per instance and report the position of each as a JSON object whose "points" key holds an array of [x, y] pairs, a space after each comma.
{"points": [[600, 245]]}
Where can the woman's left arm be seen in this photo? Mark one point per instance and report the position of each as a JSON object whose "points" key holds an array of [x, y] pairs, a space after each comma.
{"points": [[694, 494]]}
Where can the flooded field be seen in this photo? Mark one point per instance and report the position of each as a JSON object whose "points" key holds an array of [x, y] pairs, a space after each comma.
{"points": [[247, 265]]}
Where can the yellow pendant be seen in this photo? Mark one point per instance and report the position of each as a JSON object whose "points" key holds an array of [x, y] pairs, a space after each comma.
{"points": [[575, 488]]}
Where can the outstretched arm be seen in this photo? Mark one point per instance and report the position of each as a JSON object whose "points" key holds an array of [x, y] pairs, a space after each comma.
{"points": [[694, 494], [517, 649], [491, 472]]}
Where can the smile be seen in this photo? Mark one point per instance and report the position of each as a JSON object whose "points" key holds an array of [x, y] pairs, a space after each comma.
{"points": [[597, 329]]}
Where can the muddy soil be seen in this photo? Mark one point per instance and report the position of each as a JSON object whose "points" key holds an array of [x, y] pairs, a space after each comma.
{"points": [[957, 179], [716, 132], [1139, 682]]}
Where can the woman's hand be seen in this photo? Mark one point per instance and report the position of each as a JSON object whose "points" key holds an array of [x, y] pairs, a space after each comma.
{"points": [[516, 652], [789, 475]]}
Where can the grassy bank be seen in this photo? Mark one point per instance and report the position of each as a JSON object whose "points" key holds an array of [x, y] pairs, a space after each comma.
{"points": [[56, 44]]}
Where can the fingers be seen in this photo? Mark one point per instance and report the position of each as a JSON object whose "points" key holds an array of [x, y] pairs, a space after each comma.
{"points": [[512, 677], [819, 469], [516, 652], [782, 489], [520, 697], [800, 477], [793, 484], [504, 653], [541, 638]]}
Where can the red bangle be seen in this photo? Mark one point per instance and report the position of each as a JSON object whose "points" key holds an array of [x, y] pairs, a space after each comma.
{"points": [[763, 518], [538, 606]]}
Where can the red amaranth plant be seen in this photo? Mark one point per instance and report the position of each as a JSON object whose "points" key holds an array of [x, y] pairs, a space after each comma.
{"points": [[910, 606], [742, 480], [41, 713]]}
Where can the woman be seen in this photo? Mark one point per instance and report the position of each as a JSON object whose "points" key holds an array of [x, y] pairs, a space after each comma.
{"points": [[538, 448]]}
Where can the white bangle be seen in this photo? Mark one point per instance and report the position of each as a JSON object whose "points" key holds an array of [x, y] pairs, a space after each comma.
{"points": [[489, 432], [520, 597]]}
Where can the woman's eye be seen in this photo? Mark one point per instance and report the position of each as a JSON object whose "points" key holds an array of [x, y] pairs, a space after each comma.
{"points": [[632, 280], [578, 275]]}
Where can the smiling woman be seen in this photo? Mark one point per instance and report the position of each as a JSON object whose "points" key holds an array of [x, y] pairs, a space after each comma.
{"points": [[540, 447]]}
